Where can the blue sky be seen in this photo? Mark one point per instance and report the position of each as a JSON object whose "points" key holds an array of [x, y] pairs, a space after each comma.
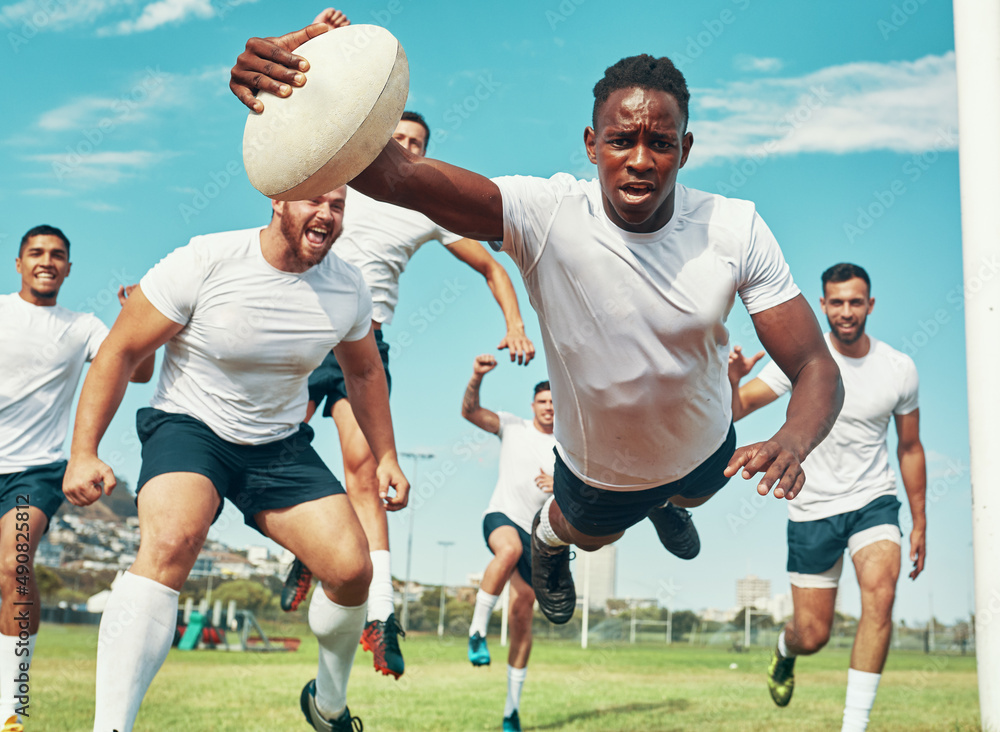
{"points": [[839, 121]]}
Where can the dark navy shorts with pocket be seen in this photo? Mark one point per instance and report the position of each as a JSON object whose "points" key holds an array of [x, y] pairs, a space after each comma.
{"points": [[492, 522], [815, 546], [254, 478], [39, 486], [327, 381], [599, 512]]}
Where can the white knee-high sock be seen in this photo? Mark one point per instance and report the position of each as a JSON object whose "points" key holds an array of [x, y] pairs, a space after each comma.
{"points": [[485, 602], [545, 532], [15, 663], [137, 628], [338, 630], [515, 682], [380, 596], [861, 688], [783, 648]]}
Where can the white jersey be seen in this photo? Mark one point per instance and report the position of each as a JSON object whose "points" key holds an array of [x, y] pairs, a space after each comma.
{"points": [[524, 451], [252, 333], [634, 324], [41, 362], [379, 239], [850, 468]]}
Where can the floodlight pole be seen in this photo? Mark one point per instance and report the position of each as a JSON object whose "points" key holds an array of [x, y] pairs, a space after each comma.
{"points": [[444, 575], [977, 51], [416, 457]]}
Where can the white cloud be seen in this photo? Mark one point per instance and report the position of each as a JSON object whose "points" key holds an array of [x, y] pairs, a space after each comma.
{"points": [[30, 17], [98, 167], [902, 106], [755, 64], [100, 206], [162, 12]]}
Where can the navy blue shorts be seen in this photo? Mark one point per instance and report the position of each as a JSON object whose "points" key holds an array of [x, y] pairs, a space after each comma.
{"points": [[327, 381], [492, 522], [815, 546], [254, 478], [40, 486], [599, 512]]}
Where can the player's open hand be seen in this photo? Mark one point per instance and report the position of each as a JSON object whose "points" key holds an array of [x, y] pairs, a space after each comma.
{"points": [[268, 64], [483, 364], [86, 478], [740, 365], [390, 475], [544, 481], [781, 467], [521, 348], [918, 550]]}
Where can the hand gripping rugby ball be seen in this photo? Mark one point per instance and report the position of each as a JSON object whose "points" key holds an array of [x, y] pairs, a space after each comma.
{"points": [[328, 131]]}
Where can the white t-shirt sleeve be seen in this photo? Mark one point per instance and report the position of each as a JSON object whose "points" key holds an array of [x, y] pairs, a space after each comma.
{"points": [[172, 285], [506, 419], [363, 323], [765, 279], [775, 378], [447, 237], [528, 207], [98, 332], [910, 384]]}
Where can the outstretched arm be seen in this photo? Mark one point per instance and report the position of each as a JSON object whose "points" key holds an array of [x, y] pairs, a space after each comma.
{"points": [[791, 334], [457, 199], [368, 393], [483, 418], [135, 336], [913, 469], [475, 255], [752, 396]]}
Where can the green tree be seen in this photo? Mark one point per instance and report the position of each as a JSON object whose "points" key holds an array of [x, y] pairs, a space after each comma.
{"points": [[248, 595]]}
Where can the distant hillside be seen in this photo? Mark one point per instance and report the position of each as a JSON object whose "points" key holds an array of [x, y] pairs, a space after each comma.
{"points": [[119, 506]]}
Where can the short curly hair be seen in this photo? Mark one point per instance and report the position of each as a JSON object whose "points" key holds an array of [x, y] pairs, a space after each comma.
{"points": [[646, 72]]}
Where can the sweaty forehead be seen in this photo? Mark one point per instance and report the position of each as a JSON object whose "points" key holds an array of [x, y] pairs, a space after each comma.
{"points": [[45, 241], [641, 107]]}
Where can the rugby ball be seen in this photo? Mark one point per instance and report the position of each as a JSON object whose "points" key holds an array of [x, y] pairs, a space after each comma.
{"points": [[328, 131]]}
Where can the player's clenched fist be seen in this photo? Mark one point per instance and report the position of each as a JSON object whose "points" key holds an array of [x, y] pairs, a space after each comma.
{"points": [[86, 478], [484, 364]]}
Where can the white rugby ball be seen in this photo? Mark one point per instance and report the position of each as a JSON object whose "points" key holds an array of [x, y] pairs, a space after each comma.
{"points": [[328, 131]]}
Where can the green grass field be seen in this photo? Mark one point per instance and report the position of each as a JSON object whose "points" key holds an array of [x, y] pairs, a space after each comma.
{"points": [[611, 688]]}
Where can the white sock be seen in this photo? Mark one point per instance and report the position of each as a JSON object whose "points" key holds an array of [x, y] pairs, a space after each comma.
{"points": [[485, 602], [380, 596], [861, 688], [15, 660], [338, 630], [782, 648], [515, 680], [137, 628], [545, 532]]}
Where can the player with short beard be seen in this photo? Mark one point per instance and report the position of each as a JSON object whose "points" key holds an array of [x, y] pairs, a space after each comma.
{"points": [[245, 316], [849, 501]]}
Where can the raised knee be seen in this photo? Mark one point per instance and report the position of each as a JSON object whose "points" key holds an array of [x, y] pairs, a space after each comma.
{"points": [[175, 549], [813, 637], [351, 574]]}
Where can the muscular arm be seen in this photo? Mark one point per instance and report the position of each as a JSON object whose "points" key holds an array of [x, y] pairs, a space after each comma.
{"points": [[144, 371], [475, 255], [791, 334], [368, 393], [913, 469], [483, 418], [139, 330]]}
